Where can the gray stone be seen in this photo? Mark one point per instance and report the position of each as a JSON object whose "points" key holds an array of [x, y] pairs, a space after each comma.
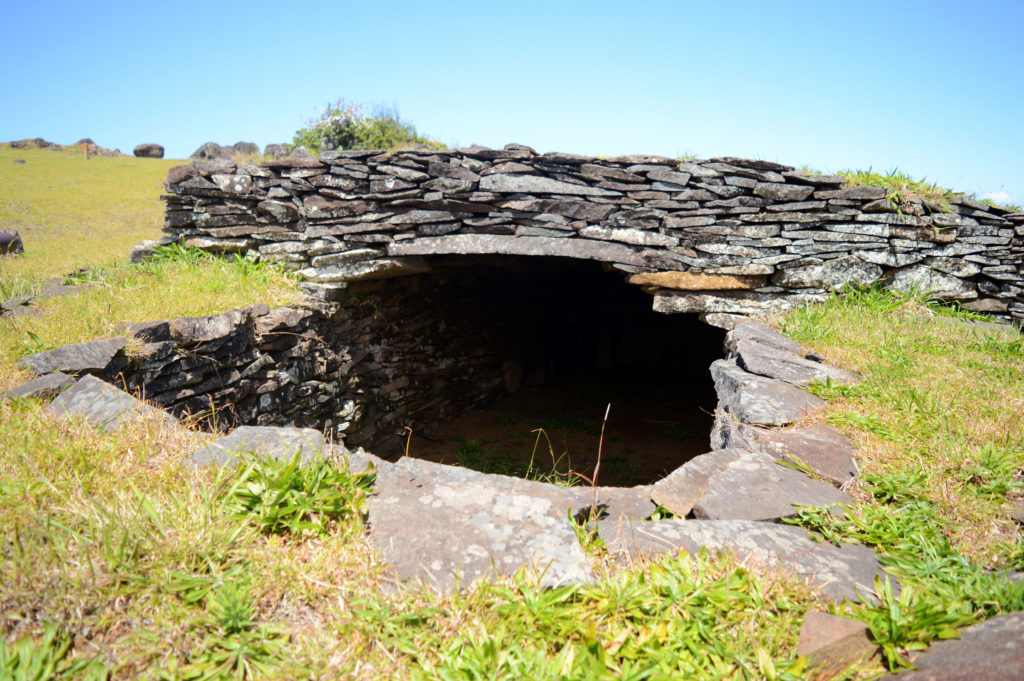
{"points": [[511, 245], [731, 303], [632, 503], [765, 360], [846, 571], [103, 405], [862, 193], [782, 192], [148, 151], [42, 388], [765, 335], [992, 650], [889, 259], [212, 150], [209, 328], [936, 284], [741, 485], [260, 442], [831, 274], [756, 400], [280, 211], [381, 268], [637, 237], [535, 184], [469, 526], [80, 357], [820, 447]]}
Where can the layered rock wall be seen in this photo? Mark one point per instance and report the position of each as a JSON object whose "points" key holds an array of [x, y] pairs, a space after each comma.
{"points": [[724, 238]]}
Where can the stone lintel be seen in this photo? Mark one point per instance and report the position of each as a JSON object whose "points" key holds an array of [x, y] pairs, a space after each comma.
{"points": [[690, 281]]}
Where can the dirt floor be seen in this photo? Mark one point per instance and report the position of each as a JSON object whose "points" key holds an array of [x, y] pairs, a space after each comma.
{"points": [[552, 432]]}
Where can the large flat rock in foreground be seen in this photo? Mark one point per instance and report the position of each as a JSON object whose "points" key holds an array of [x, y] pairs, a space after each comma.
{"points": [[451, 526], [103, 405], [846, 571], [741, 485], [992, 650]]}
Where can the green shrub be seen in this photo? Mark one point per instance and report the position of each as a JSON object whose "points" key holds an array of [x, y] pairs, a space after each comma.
{"points": [[346, 126]]}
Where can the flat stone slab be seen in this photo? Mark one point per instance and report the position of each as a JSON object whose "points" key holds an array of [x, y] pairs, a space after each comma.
{"points": [[757, 400], [833, 643], [739, 484], [766, 335], [450, 526], [43, 388], [80, 357], [631, 503], [103, 405], [846, 571], [821, 447], [765, 360], [357, 461], [587, 249], [263, 442], [992, 650]]}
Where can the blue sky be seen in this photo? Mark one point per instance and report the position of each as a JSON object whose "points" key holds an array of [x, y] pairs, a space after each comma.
{"points": [[933, 88]]}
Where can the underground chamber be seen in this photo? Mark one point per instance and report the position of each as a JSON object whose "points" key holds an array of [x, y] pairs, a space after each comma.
{"points": [[508, 364]]}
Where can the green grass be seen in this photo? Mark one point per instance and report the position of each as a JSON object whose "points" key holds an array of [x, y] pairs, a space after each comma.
{"points": [[72, 212], [937, 423], [182, 283]]}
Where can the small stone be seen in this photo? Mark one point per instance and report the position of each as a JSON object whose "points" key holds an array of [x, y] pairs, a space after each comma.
{"points": [[43, 388], [782, 192], [833, 644]]}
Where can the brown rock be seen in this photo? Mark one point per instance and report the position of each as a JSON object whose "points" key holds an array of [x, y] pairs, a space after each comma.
{"points": [[832, 644], [179, 174], [697, 282]]}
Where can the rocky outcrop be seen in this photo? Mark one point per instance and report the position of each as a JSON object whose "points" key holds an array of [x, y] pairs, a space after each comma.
{"points": [[725, 237]]}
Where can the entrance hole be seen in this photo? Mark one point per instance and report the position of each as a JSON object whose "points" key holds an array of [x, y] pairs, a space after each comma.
{"points": [[508, 365]]}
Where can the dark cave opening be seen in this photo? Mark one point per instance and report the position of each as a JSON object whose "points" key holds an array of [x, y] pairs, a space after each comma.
{"points": [[509, 364]]}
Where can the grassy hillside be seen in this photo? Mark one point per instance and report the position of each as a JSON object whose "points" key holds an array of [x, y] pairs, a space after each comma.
{"points": [[118, 562], [73, 212]]}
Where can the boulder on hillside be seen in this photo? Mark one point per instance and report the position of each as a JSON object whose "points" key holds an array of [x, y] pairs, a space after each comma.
{"points": [[277, 150], [212, 150], [246, 148], [85, 140], [149, 151], [10, 243]]}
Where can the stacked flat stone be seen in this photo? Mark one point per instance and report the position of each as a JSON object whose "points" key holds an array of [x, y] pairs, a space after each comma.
{"points": [[724, 237]]}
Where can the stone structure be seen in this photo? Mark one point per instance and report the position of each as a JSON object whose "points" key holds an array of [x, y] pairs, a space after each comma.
{"points": [[468, 524], [724, 238]]}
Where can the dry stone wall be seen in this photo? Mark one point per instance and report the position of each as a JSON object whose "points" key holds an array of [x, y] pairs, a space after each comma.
{"points": [[724, 237]]}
